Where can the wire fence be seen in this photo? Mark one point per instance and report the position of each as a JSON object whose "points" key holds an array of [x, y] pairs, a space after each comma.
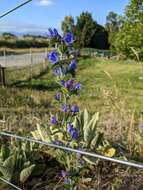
{"points": [[91, 52], [19, 65], [15, 8], [82, 152], [10, 184], [125, 162]]}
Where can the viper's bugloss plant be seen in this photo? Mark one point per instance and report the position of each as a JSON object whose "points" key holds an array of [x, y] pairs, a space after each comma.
{"points": [[70, 126], [68, 88]]}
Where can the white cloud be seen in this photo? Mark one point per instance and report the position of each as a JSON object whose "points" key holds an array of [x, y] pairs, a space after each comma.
{"points": [[45, 2], [22, 27]]}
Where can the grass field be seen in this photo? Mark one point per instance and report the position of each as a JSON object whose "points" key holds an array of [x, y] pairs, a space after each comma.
{"points": [[124, 78], [103, 82], [114, 88]]}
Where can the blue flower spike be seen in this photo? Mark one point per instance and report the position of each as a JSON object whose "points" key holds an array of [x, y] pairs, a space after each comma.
{"points": [[65, 108], [53, 33], [53, 57], [58, 96], [69, 39], [53, 120], [74, 109], [77, 86], [72, 66], [72, 131], [69, 83]]}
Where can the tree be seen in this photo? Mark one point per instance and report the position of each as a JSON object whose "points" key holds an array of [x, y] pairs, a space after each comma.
{"points": [[134, 11], [112, 26], [85, 29], [112, 22], [129, 40], [89, 33], [100, 38], [68, 24], [8, 36]]}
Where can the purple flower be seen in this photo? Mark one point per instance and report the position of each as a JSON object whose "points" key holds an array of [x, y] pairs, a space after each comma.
{"points": [[65, 108], [62, 82], [69, 127], [58, 72], [69, 83], [69, 38], [53, 120], [72, 65], [82, 162], [78, 155], [58, 96], [72, 131], [53, 33], [74, 109], [57, 142], [77, 86], [66, 181], [64, 173], [53, 57]]}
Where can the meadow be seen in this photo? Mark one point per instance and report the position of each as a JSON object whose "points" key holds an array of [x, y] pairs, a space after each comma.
{"points": [[113, 88]]}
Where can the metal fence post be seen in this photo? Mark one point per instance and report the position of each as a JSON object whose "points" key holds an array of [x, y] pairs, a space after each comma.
{"points": [[45, 58], [31, 62], [4, 56]]}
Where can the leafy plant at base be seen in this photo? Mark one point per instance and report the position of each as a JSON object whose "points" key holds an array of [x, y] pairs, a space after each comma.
{"points": [[15, 165]]}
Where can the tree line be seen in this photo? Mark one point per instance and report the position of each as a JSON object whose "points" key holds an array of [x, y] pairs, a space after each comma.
{"points": [[26, 41], [122, 34], [126, 32]]}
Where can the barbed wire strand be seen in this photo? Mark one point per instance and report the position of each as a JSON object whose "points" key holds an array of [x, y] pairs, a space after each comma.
{"points": [[15, 8], [124, 162], [11, 184]]}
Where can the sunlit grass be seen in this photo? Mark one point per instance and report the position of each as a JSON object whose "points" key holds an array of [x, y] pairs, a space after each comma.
{"points": [[95, 76]]}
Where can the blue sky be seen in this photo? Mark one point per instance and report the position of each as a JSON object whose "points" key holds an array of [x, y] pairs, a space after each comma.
{"points": [[40, 14]]}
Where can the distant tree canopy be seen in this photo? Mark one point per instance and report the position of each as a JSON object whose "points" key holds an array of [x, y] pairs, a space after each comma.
{"points": [[123, 34], [88, 33], [67, 24], [129, 39], [27, 41], [7, 36], [112, 26]]}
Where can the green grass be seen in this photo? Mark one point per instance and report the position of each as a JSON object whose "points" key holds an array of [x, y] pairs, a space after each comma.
{"points": [[96, 76], [106, 84], [124, 76], [114, 88]]}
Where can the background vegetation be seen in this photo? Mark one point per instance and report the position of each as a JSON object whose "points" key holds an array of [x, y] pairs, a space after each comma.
{"points": [[121, 33]]}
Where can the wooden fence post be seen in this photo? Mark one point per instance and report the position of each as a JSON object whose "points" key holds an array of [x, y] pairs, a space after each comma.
{"points": [[2, 75]]}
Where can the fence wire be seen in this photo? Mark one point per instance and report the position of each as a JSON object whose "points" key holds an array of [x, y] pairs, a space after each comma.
{"points": [[124, 162], [23, 66], [11, 184], [14, 9]]}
